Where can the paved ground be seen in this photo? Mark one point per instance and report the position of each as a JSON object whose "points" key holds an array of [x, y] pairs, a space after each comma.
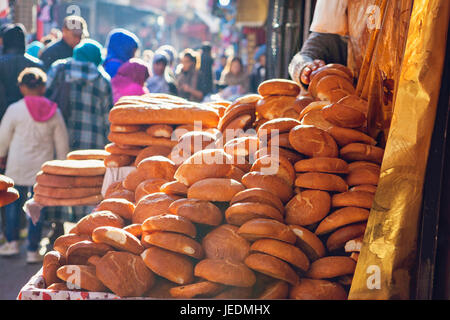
{"points": [[15, 272]]}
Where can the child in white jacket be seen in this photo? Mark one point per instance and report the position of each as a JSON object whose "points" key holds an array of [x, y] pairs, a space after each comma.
{"points": [[32, 132]]}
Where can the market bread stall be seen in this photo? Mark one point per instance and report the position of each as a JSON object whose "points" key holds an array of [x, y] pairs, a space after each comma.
{"points": [[264, 200]]}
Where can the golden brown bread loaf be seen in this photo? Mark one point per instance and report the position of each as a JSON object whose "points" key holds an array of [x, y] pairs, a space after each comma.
{"points": [[271, 183], [167, 113], [90, 154], [225, 243], [232, 273], [174, 187], [238, 117], [122, 194], [278, 87], [88, 223], [266, 228], [235, 174], [242, 147], [147, 187], [350, 198], [313, 142], [160, 131], [260, 196], [198, 211], [113, 148], [152, 205], [313, 289], [50, 180], [125, 274], [80, 277], [338, 238], [326, 165], [331, 267], [114, 187], [283, 251], [66, 193], [121, 207], [308, 242], [315, 118], [198, 289], [174, 242], [93, 260], [59, 286], [363, 175], [214, 189], [53, 260], [275, 165], [139, 138], [210, 163], [340, 218], [62, 243], [364, 152], [8, 196], [118, 160], [171, 223], [313, 106], [135, 229], [132, 180], [328, 83], [272, 267], [74, 167], [78, 253], [117, 238], [247, 99], [345, 136], [292, 155], [276, 126], [235, 293], [308, 207], [241, 212], [150, 151], [356, 102], [161, 289], [354, 245], [343, 116], [157, 167], [364, 188], [272, 107], [50, 202], [170, 265], [276, 290], [125, 128], [321, 181]]}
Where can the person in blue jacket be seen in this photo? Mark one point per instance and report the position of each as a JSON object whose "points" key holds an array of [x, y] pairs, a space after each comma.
{"points": [[121, 46]]}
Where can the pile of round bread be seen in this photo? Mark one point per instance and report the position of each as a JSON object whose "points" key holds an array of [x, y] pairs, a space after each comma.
{"points": [[8, 193], [275, 213], [75, 181], [152, 124]]}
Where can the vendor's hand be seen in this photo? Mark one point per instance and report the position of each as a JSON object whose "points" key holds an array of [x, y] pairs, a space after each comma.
{"points": [[310, 67]]}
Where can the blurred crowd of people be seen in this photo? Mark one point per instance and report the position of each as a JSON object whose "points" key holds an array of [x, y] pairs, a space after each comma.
{"points": [[56, 93]]}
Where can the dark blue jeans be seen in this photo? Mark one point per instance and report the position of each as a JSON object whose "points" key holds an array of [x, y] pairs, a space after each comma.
{"points": [[12, 216]]}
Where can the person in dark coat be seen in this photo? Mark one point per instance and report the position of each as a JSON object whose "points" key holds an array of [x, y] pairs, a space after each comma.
{"points": [[73, 31], [13, 61], [258, 74], [205, 76]]}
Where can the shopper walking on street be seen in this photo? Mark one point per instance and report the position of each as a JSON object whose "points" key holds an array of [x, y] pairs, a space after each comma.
{"points": [[158, 82], [13, 61], [187, 77], [234, 77], [130, 79], [121, 47], [73, 31], [90, 96], [31, 132]]}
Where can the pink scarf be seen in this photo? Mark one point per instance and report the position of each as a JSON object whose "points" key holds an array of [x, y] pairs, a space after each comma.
{"points": [[130, 79], [40, 108]]}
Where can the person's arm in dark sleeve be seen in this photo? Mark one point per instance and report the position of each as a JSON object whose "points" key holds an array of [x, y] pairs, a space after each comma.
{"points": [[318, 50]]}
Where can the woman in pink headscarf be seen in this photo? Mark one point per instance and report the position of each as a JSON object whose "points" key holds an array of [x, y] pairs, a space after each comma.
{"points": [[130, 79]]}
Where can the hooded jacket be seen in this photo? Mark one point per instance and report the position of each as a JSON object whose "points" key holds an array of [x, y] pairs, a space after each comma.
{"points": [[31, 133], [12, 62], [121, 47], [90, 102], [130, 79]]}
